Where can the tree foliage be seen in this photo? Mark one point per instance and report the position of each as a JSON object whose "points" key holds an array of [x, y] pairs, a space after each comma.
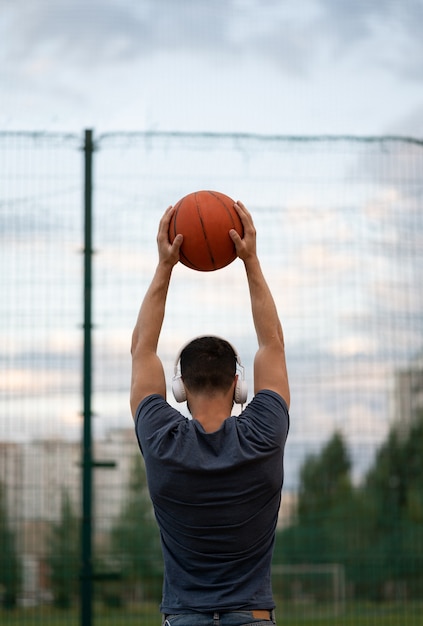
{"points": [[135, 541], [324, 481], [325, 502], [10, 564], [376, 529], [63, 554], [395, 485]]}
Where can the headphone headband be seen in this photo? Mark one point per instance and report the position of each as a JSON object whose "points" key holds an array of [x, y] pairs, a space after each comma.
{"points": [[178, 387], [178, 356]]}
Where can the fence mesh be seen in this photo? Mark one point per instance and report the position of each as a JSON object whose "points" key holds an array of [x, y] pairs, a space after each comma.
{"points": [[340, 237]]}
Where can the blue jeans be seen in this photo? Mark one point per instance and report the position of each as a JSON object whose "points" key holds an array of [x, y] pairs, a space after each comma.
{"points": [[234, 618]]}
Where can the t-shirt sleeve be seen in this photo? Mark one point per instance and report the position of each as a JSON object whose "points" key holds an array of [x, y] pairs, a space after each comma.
{"points": [[267, 417], [154, 416]]}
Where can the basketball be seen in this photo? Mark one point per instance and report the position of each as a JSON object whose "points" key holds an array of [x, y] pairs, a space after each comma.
{"points": [[205, 218]]}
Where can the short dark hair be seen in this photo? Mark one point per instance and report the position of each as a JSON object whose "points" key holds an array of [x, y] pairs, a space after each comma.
{"points": [[208, 364]]}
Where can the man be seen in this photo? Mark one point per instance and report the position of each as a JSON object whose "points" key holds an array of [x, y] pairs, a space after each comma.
{"points": [[215, 481]]}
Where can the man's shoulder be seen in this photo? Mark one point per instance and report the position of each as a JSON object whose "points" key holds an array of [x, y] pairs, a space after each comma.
{"points": [[152, 400], [270, 397], [268, 411], [154, 409]]}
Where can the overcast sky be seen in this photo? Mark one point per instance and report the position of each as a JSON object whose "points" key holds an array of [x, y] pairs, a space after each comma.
{"points": [[260, 66], [253, 66]]}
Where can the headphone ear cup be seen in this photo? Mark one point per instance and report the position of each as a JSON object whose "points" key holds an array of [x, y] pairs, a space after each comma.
{"points": [[178, 389], [241, 391]]}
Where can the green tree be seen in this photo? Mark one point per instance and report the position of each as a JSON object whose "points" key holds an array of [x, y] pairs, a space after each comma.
{"points": [[135, 541], [395, 485], [63, 555], [322, 531], [324, 480], [375, 530], [413, 513], [10, 563]]}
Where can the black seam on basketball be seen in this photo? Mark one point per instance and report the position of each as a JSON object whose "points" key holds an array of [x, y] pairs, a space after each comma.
{"points": [[181, 254], [225, 207], [204, 232], [188, 262], [228, 212]]}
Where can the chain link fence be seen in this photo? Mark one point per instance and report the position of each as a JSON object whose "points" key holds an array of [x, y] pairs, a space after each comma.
{"points": [[340, 237]]}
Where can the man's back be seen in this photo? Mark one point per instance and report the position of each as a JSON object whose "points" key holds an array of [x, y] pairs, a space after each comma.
{"points": [[216, 498]]}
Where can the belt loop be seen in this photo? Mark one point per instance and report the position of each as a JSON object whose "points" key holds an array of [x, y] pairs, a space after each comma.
{"points": [[216, 618]]}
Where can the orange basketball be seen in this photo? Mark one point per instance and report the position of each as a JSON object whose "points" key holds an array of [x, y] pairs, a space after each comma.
{"points": [[205, 218]]}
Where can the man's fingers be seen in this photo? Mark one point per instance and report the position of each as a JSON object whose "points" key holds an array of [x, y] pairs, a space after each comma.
{"points": [[164, 223], [177, 242], [234, 235]]}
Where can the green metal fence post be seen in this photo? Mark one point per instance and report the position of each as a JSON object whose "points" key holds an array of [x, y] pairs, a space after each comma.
{"points": [[86, 583]]}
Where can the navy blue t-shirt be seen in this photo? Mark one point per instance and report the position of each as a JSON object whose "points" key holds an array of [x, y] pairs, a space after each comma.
{"points": [[216, 498]]}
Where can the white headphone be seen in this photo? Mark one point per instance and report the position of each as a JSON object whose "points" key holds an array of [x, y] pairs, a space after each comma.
{"points": [[178, 388]]}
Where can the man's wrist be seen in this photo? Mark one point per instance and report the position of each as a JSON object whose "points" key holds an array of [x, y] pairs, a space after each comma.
{"points": [[165, 266], [251, 262]]}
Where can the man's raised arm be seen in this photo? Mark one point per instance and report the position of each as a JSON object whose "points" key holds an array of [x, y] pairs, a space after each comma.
{"points": [[269, 364], [147, 369]]}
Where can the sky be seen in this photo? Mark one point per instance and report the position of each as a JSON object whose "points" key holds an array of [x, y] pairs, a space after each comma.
{"points": [[310, 67], [250, 66]]}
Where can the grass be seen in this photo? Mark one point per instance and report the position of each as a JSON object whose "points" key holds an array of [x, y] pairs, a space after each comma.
{"points": [[355, 614], [148, 615], [145, 615]]}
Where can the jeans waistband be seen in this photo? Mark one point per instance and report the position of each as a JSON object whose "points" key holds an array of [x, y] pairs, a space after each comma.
{"points": [[264, 614]]}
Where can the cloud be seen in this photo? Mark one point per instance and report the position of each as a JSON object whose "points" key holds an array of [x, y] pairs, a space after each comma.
{"points": [[388, 33], [410, 123], [318, 66], [95, 32], [83, 32]]}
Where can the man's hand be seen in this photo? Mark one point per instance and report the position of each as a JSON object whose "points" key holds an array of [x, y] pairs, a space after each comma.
{"points": [[168, 252], [245, 247]]}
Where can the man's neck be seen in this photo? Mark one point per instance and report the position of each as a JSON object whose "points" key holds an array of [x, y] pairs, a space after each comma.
{"points": [[211, 411]]}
